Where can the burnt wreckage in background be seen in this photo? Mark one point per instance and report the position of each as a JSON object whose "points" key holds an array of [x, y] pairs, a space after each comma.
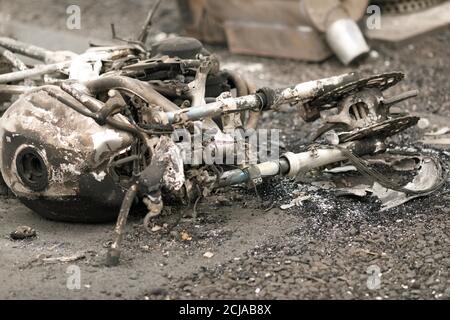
{"points": [[95, 133]]}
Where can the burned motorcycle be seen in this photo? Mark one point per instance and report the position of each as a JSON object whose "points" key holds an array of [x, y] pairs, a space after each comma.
{"points": [[83, 146]]}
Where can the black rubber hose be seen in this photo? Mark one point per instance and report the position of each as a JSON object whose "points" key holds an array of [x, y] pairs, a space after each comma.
{"points": [[78, 108], [143, 89], [89, 104]]}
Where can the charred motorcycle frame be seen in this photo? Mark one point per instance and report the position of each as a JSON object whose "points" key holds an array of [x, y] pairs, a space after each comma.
{"points": [[82, 146]]}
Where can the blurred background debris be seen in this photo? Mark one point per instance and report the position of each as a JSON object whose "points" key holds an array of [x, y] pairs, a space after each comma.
{"points": [[310, 30]]}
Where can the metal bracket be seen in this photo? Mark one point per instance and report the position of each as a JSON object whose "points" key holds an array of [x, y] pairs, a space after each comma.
{"points": [[254, 174]]}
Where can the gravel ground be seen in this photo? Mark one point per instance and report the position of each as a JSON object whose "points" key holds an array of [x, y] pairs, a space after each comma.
{"points": [[322, 249]]}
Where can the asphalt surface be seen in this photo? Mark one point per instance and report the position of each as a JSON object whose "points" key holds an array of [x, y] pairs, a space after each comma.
{"points": [[329, 247]]}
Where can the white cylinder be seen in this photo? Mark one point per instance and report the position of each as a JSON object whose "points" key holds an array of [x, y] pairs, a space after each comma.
{"points": [[346, 40], [305, 161]]}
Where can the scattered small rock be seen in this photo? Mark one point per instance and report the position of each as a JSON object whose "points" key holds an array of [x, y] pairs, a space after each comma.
{"points": [[158, 292], [156, 228], [185, 236], [23, 232], [224, 201], [374, 54], [423, 123]]}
